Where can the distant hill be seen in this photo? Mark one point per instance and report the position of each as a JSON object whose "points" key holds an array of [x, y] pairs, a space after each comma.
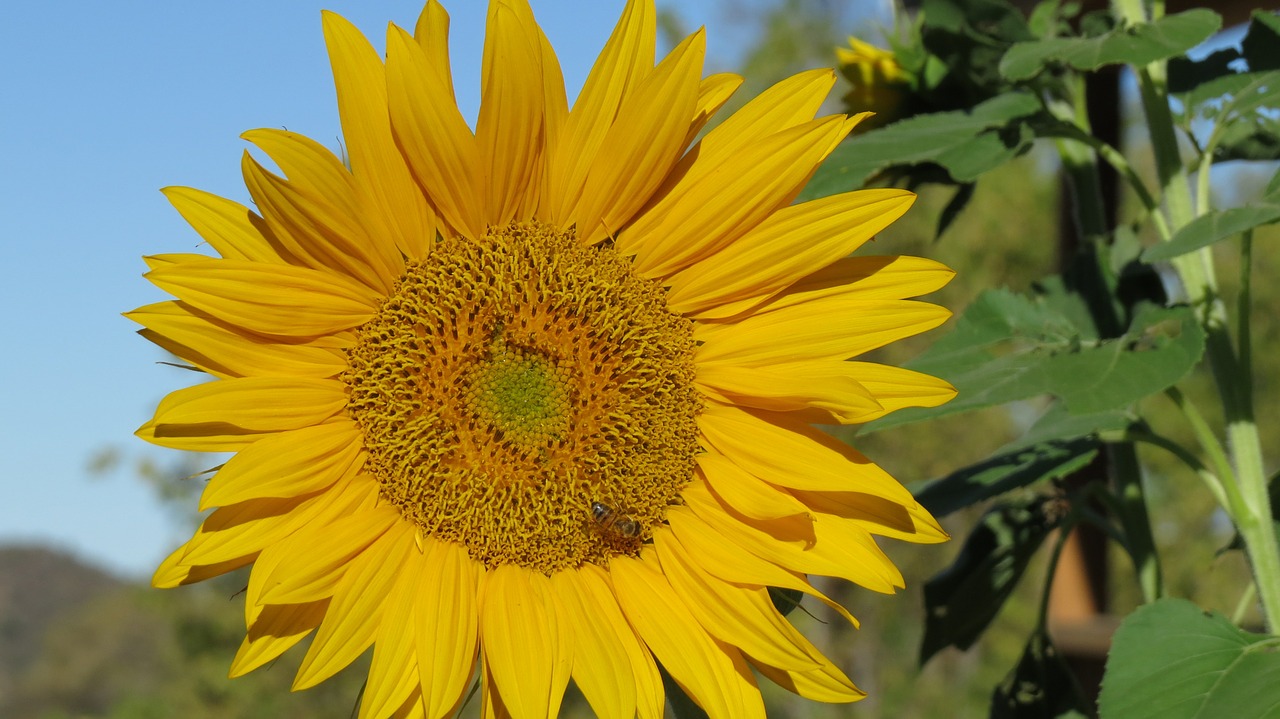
{"points": [[37, 586]]}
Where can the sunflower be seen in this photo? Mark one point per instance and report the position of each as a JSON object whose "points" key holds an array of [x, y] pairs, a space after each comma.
{"points": [[535, 402]]}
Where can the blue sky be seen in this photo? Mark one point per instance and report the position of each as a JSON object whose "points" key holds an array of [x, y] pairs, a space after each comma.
{"points": [[105, 103]]}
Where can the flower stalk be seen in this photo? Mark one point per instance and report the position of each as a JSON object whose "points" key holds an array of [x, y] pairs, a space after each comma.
{"points": [[1251, 507]]}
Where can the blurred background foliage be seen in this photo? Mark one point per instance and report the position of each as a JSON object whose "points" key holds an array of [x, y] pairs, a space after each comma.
{"points": [[75, 642]]}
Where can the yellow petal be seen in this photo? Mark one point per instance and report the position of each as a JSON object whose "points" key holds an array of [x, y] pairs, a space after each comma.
{"points": [[528, 647], [601, 667], [232, 229], [174, 258], [711, 672], [447, 625], [833, 328], [836, 551], [272, 299], [491, 706], [713, 93], [321, 232], [794, 455], [277, 629], [309, 166], [432, 34], [253, 525], [173, 573], [784, 248], [825, 684], [320, 555], [390, 199], [744, 491], [790, 102], [509, 127], [714, 205], [740, 616], [221, 351], [895, 388], [911, 522], [433, 136], [855, 278], [726, 560], [823, 385], [555, 116], [393, 675], [354, 615], [288, 464], [248, 405], [643, 144], [626, 58], [281, 555]]}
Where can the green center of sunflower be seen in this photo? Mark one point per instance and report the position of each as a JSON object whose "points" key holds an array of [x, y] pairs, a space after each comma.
{"points": [[521, 394], [528, 397]]}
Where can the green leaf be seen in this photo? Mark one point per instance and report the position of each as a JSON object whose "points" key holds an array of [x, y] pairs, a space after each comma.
{"points": [[1171, 660], [1169, 36], [966, 143], [785, 600], [1255, 138], [1215, 227], [1057, 445], [1040, 686], [1161, 347], [1006, 471], [1008, 347], [962, 600], [1261, 45], [966, 39], [955, 205]]}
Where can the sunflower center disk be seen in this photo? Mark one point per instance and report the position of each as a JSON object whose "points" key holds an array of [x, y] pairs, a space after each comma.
{"points": [[511, 382], [521, 395]]}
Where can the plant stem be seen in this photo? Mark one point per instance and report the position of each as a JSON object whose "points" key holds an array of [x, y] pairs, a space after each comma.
{"points": [[1246, 486], [1081, 165], [1127, 475], [1211, 481]]}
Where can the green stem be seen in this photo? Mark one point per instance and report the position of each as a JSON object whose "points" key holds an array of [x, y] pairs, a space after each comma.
{"points": [[1118, 161], [1127, 474], [1249, 596], [1246, 486], [1244, 316], [1081, 165], [1064, 532], [1211, 481], [1208, 442]]}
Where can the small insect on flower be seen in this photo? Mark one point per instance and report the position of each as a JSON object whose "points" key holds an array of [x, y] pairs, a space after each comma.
{"points": [[607, 519]]}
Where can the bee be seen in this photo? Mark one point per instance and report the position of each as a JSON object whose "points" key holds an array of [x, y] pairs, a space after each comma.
{"points": [[606, 518]]}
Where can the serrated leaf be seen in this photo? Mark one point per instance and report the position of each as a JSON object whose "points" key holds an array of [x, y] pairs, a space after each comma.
{"points": [[1161, 347], [966, 143], [1172, 660], [1007, 347], [1167, 37], [1039, 687], [1057, 445], [961, 601], [1215, 227]]}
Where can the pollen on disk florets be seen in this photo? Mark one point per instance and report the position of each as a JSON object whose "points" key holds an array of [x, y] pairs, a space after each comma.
{"points": [[511, 381]]}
